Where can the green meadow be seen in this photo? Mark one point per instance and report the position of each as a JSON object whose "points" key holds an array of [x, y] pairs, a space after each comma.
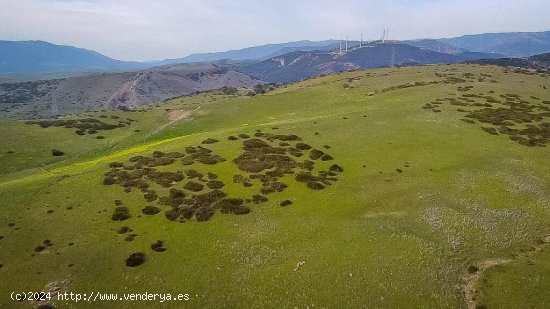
{"points": [[443, 169]]}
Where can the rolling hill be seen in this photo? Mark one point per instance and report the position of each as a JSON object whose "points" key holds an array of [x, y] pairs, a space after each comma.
{"points": [[115, 90], [541, 61], [417, 187]]}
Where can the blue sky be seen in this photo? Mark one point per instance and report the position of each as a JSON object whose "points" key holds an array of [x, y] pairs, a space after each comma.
{"points": [[158, 29]]}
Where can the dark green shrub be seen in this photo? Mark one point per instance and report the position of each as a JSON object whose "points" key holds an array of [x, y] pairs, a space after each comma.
{"points": [[120, 213], [285, 203], [57, 153], [135, 259]]}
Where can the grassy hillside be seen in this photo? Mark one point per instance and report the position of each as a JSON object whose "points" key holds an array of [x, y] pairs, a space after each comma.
{"points": [[423, 185]]}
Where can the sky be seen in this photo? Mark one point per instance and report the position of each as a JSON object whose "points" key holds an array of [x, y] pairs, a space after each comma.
{"points": [[158, 29]]}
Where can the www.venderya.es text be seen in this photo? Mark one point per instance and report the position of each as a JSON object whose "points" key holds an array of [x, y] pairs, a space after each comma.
{"points": [[98, 296]]}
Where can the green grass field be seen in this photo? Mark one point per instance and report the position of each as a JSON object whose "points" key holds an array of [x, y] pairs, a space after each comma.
{"points": [[423, 197]]}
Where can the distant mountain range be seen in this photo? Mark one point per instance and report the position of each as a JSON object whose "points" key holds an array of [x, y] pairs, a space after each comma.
{"points": [[25, 59], [256, 52], [38, 57], [436, 45], [515, 44], [129, 90], [304, 64], [127, 85], [42, 57]]}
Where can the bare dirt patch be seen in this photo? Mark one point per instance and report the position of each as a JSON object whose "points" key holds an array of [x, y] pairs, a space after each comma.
{"points": [[174, 117], [475, 272]]}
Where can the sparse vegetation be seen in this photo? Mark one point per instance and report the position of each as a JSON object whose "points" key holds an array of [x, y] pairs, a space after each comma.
{"points": [[84, 125], [315, 184]]}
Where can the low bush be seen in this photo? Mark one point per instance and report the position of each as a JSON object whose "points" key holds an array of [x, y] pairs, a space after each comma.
{"points": [[135, 259]]}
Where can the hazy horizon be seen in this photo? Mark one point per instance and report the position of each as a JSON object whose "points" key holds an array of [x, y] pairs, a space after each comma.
{"points": [[144, 31]]}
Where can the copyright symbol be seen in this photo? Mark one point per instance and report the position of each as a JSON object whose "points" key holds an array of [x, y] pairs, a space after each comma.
{"points": [[17, 296]]}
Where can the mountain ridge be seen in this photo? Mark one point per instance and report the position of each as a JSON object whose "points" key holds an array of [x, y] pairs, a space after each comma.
{"points": [[24, 57], [248, 53], [128, 90], [510, 44], [303, 64], [37, 57]]}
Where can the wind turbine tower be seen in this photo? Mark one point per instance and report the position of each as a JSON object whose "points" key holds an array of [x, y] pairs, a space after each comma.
{"points": [[361, 42], [346, 44]]}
